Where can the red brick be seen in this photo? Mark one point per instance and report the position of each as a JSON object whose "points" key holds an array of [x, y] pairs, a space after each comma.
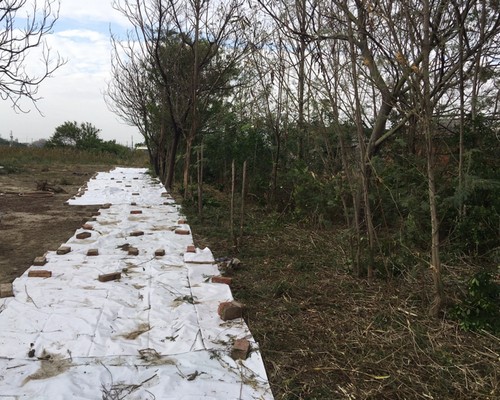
{"points": [[229, 310], [110, 277], [182, 231], [39, 273], [63, 250], [136, 212], [87, 227], [191, 249], [222, 279], [93, 252], [39, 261], [136, 233], [6, 290], [83, 235], [160, 253], [133, 251], [241, 348]]}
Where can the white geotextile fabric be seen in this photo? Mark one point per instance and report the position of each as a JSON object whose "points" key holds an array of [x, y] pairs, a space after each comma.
{"points": [[153, 334]]}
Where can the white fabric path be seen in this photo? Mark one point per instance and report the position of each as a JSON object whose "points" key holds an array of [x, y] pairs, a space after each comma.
{"points": [[153, 334]]}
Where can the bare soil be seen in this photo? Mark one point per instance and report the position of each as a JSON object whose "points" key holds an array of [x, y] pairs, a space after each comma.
{"points": [[33, 223]]}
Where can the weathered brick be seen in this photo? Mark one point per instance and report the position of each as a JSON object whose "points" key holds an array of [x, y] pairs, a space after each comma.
{"points": [[222, 279], [110, 277], [63, 250], [136, 178], [83, 235], [182, 221], [160, 253], [106, 206], [39, 261], [133, 203], [96, 214], [191, 249], [92, 252], [136, 212], [39, 273], [6, 290], [240, 350], [133, 251], [87, 227], [179, 231], [128, 185], [136, 233], [229, 310], [135, 194], [165, 194]]}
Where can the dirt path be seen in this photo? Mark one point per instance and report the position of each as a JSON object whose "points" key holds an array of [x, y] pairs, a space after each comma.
{"points": [[32, 225]]}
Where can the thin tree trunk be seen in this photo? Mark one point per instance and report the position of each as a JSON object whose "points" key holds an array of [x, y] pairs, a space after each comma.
{"points": [[233, 179], [200, 181], [187, 166], [462, 119], [426, 119], [363, 159], [169, 179], [243, 193]]}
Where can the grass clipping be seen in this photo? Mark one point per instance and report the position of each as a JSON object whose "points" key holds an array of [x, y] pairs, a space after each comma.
{"points": [[50, 365]]}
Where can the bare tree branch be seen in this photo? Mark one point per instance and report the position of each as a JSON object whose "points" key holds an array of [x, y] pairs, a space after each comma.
{"points": [[18, 41]]}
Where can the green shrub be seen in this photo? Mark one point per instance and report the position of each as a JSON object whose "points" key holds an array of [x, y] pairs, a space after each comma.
{"points": [[480, 309]]}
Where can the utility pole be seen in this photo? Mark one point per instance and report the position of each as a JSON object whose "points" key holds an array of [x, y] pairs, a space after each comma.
{"points": [[11, 139]]}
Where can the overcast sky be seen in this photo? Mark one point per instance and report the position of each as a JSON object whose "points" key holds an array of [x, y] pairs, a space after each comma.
{"points": [[75, 92]]}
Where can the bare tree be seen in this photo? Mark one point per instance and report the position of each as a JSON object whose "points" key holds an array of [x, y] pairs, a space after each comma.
{"points": [[23, 28], [191, 47], [295, 22]]}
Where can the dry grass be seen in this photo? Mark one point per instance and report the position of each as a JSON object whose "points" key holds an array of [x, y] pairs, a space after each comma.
{"points": [[325, 334]]}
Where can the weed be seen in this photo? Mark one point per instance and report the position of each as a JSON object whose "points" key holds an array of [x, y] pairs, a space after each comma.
{"points": [[480, 309]]}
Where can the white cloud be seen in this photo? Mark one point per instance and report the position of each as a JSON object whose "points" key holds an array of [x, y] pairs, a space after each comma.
{"points": [[75, 92], [92, 11]]}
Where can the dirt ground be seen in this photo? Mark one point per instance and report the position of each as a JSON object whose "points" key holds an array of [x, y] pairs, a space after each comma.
{"points": [[31, 224]]}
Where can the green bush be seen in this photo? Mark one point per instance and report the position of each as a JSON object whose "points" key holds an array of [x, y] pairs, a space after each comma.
{"points": [[480, 309]]}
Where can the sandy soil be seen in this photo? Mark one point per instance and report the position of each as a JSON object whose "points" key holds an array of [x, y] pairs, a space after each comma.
{"points": [[31, 225]]}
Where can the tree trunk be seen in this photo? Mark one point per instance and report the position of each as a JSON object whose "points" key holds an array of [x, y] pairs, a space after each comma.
{"points": [[200, 181], [169, 179], [426, 120], [187, 166], [363, 158]]}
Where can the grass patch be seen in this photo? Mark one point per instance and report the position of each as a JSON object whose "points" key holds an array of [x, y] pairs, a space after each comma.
{"points": [[325, 334], [15, 159]]}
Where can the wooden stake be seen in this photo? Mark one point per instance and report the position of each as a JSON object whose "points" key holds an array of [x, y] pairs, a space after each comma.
{"points": [[200, 180], [243, 191], [233, 173]]}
